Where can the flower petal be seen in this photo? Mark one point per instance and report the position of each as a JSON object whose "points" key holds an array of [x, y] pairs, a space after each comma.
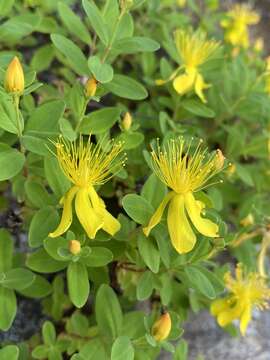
{"points": [[184, 83], [111, 224], [245, 319], [204, 226], [182, 236], [90, 220], [200, 85], [66, 219], [218, 306], [156, 218]]}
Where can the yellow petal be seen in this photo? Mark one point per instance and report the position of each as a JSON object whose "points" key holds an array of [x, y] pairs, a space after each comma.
{"points": [[218, 306], [184, 83], [182, 236], [156, 218], [66, 219], [111, 224], [204, 226], [200, 85], [245, 319], [90, 220]]}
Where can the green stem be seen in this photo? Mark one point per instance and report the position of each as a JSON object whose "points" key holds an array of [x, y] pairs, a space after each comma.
{"points": [[16, 101], [109, 46], [82, 114]]}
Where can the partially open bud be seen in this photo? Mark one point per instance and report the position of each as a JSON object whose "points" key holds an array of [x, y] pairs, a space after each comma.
{"points": [[162, 327], [181, 3], [127, 121], [14, 79], [219, 160], [248, 220], [259, 45], [74, 247], [91, 87]]}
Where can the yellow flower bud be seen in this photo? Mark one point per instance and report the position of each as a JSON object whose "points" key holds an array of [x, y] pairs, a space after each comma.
{"points": [[181, 3], [248, 220], [160, 82], [127, 121], [231, 170], [91, 87], [14, 79], [219, 161], [162, 327], [259, 45], [74, 247]]}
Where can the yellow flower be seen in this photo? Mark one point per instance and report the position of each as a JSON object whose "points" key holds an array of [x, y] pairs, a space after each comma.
{"points": [[14, 79], [87, 165], [193, 50], [245, 293], [259, 45], [162, 327], [184, 172], [236, 24]]}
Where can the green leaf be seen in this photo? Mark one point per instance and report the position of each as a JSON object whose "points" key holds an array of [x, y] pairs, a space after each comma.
{"points": [[200, 282], [101, 71], [100, 121], [17, 279], [9, 352], [5, 8], [73, 23], [8, 120], [145, 286], [37, 194], [52, 247], [244, 174], [8, 308], [40, 352], [138, 208], [39, 288], [99, 256], [78, 284], [48, 333], [108, 312], [55, 176], [93, 350], [72, 52], [11, 162], [198, 108], [149, 252], [154, 190], [96, 20], [41, 262], [44, 221], [126, 87], [135, 44], [122, 349], [131, 139], [42, 58], [44, 119], [6, 250]]}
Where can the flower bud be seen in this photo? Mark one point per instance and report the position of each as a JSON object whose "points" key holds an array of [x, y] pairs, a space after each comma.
{"points": [[231, 170], [248, 220], [91, 87], [162, 327], [259, 45], [219, 160], [127, 121], [14, 79], [74, 247], [181, 3]]}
